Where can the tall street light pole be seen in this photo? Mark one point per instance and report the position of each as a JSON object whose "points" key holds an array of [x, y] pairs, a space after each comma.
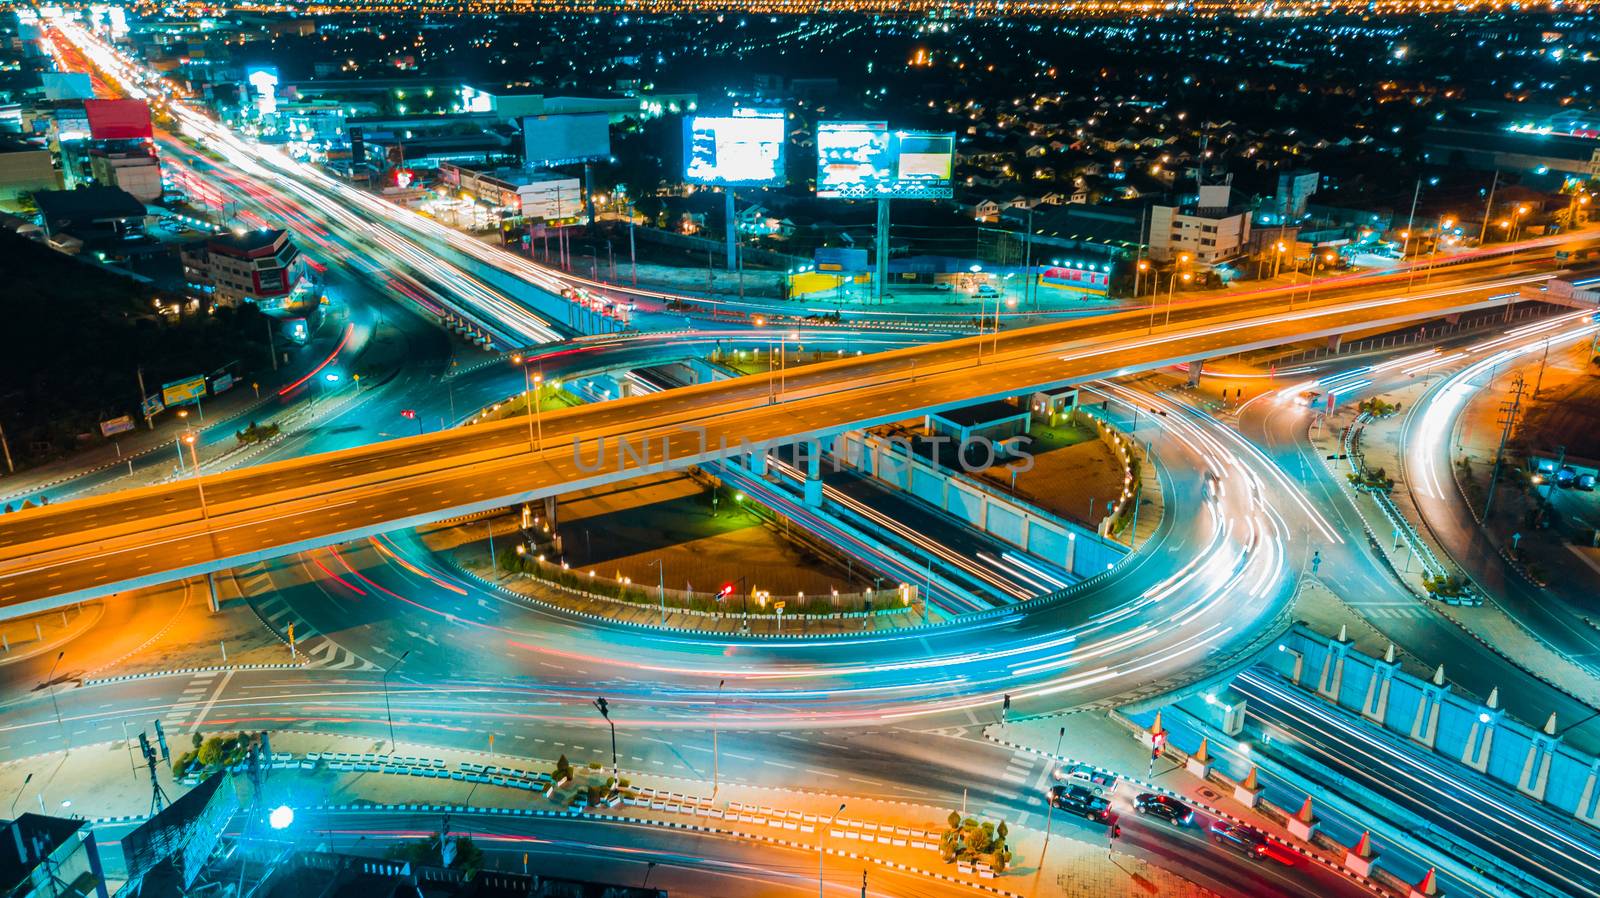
{"points": [[715, 781], [51, 683], [386, 709], [199, 484], [661, 588], [604, 708], [822, 843]]}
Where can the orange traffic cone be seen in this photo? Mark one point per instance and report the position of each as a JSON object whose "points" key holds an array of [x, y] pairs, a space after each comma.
{"points": [[1363, 847], [1429, 884]]}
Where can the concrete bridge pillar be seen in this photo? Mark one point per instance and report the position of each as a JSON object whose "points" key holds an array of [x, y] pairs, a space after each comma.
{"points": [[814, 473], [1589, 802], [1425, 726], [1376, 704], [1072, 554], [758, 462], [1335, 341], [1332, 676], [1194, 372], [1535, 776]]}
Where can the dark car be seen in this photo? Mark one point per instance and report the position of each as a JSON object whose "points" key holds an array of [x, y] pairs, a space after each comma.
{"points": [[1079, 800], [1167, 808], [1245, 840]]}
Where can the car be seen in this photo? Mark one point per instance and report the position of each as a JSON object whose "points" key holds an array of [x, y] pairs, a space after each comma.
{"points": [[1566, 478], [945, 287], [1585, 482], [1079, 800], [986, 290], [1309, 397], [1097, 781], [1165, 807], [1240, 839]]}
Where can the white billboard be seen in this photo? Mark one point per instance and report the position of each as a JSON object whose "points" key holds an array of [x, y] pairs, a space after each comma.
{"points": [[563, 139], [740, 150]]}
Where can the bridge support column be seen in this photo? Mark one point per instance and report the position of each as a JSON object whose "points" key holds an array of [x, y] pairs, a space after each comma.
{"points": [[215, 604], [1535, 776], [1480, 741], [1376, 705], [758, 462], [1335, 341], [1589, 803], [1332, 677], [814, 473], [1194, 372], [1072, 553], [1425, 726]]}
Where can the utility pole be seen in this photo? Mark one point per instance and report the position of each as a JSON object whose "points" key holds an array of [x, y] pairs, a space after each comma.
{"points": [[1509, 411], [10, 468], [144, 407], [1488, 208], [1411, 271]]}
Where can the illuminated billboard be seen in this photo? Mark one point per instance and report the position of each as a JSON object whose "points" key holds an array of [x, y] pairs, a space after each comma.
{"points": [[744, 149], [866, 160]]}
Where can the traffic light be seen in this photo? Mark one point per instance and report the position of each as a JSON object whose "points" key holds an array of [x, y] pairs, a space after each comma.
{"points": [[1158, 741], [1116, 830], [161, 740], [725, 591], [409, 414]]}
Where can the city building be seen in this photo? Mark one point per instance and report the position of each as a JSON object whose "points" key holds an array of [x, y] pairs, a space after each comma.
{"points": [[262, 267], [91, 213], [1208, 230], [532, 194], [1295, 188], [1504, 149], [25, 168], [135, 170], [50, 857]]}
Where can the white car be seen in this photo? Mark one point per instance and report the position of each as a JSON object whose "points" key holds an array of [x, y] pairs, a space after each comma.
{"points": [[1097, 781]]}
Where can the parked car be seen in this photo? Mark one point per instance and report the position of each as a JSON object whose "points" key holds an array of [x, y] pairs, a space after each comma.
{"points": [[1079, 800], [1585, 482], [944, 287], [1165, 807], [1566, 478], [987, 291], [1097, 781], [1241, 839]]}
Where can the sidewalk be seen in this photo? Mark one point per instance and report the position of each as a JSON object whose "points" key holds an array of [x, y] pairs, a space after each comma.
{"points": [[102, 783]]}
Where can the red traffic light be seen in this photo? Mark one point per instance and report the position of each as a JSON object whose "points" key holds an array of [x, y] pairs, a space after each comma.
{"points": [[727, 590], [1116, 830], [408, 413]]}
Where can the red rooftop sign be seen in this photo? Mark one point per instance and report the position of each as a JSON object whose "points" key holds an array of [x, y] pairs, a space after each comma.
{"points": [[118, 119]]}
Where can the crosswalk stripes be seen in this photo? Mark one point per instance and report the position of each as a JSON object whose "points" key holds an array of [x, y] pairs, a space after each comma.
{"points": [[1393, 612], [192, 697], [279, 615]]}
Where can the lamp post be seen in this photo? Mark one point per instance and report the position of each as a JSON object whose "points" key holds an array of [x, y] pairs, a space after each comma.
{"points": [[715, 780], [527, 393], [661, 588], [386, 709], [822, 842], [50, 682], [1138, 270], [1516, 221], [199, 484], [1167, 319], [604, 708]]}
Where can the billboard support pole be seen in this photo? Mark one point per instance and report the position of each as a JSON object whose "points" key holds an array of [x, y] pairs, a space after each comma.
{"points": [[149, 422], [881, 263], [733, 250], [588, 192]]}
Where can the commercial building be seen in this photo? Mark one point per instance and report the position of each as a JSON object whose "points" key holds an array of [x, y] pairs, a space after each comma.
{"points": [[261, 267], [134, 170], [1536, 152], [1294, 190], [1209, 230], [550, 196], [25, 168], [91, 213], [50, 857]]}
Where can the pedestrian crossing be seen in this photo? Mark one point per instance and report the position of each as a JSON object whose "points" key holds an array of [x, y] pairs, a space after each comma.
{"points": [[255, 584], [1025, 775], [1399, 611]]}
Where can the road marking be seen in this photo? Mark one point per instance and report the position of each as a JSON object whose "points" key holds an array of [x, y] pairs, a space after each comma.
{"points": [[221, 685]]}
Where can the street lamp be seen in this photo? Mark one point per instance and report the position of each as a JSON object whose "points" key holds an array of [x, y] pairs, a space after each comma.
{"points": [[604, 708], [715, 781], [386, 709], [1138, 270], [531, 396], [199, 484], [822, 841], [50, 683], [661, 587]]}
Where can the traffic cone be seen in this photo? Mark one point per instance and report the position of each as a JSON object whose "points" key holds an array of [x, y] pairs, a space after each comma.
{"points": [[1250, 781], [1202, 754], [1363, 847], [1304, 815]]}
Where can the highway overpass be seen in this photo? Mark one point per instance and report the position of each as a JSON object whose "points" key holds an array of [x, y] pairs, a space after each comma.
{"points": [[56, 555]]}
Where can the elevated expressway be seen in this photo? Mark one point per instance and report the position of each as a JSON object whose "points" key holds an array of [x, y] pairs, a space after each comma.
{"points": [[53, 556]]}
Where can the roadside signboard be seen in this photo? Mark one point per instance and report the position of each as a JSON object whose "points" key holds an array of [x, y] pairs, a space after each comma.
{"points": [[153, 405], [182, 392], [119, 424], [221, 383]]}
